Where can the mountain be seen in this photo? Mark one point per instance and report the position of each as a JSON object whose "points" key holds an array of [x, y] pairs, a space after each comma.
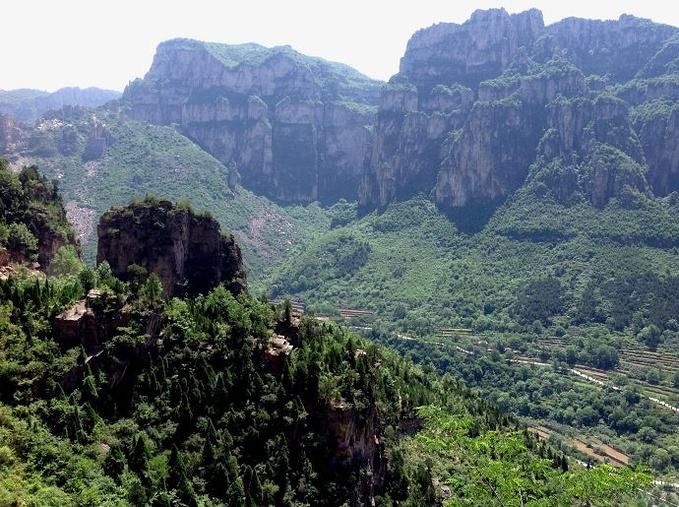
{"points": [[298, 129], [474, 104], [295, 128], [27, 106], [507, 209]]}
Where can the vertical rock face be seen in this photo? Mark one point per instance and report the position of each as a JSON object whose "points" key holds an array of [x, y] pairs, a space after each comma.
{"points": [[295, 128], [479, 49], [659, 136], [406, 148], [524, 81], [187, 251], [618, 48]]}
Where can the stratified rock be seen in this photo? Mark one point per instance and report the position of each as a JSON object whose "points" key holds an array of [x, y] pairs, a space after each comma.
{"points": [[186, 250], [406, 151], [490, 157], [295, 128], [479, 49], [658, 127], [618, 48]]}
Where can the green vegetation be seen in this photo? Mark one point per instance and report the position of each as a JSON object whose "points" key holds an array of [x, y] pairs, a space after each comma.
{"points": [[201, 417], [189, 402], [32, 216], [560, 283]]}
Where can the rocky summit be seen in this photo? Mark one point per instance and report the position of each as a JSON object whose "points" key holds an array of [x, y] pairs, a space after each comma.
{"points": [[473, 103], [186, 250]]}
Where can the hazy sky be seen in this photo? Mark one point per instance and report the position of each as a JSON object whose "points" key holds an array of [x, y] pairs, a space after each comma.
{"points": [[48, 44]]}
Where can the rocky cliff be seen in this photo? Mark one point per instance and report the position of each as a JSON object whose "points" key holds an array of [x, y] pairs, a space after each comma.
{"points": [[186, 250], [524, 80], [479, 49], [461, 121], [295, 128]]}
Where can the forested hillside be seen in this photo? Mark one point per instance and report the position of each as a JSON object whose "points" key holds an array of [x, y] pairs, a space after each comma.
{"points": [[114, 394]]}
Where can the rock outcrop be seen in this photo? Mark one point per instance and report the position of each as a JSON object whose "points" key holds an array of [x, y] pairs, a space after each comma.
{"points": [[357, 439], [659, 137], [620, 48], [91, 321], [479, 49], [295, 128], [186, 250]]}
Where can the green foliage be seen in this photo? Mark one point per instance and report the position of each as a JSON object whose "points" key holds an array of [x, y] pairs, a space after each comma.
{"points": [[21, 240], [202, 416], [31, 214], [66, 262]]}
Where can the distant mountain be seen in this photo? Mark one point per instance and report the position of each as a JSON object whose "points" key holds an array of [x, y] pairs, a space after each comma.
{"points": [[296, 128], [463, 119], [475, 105], [102, 159], [27, 105]]}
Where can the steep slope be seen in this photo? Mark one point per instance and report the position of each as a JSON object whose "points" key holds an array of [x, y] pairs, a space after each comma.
{"points": [[33, 225], [295, 128], [185, 249], [27, 106], [218, 400]]}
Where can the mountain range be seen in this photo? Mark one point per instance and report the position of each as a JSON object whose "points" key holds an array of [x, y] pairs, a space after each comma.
{"points": [[504, 208]]}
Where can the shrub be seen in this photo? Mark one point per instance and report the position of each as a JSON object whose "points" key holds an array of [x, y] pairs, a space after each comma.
{"points": [[20, 239]]}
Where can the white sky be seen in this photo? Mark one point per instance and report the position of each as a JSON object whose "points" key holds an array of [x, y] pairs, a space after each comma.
{"points": [[47, 44]]}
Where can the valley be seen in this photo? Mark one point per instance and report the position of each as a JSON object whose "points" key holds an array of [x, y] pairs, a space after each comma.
{"points": [[480, 253]]}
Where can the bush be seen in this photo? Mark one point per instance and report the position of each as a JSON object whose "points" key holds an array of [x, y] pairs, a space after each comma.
{"points": [[66, 262], [21, 240]]}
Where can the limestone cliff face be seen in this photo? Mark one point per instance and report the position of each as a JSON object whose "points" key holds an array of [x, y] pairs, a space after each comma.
{"points": [[479, 49], [618, 48], [659, 137], [590, 147], [295, 128], [524, 80], [187, 251], [406, 148], [357, 439]]}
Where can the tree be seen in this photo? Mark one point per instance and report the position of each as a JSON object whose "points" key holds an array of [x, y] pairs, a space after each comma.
{"points": [[651, 336], [152, 290], [66, 262]]}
